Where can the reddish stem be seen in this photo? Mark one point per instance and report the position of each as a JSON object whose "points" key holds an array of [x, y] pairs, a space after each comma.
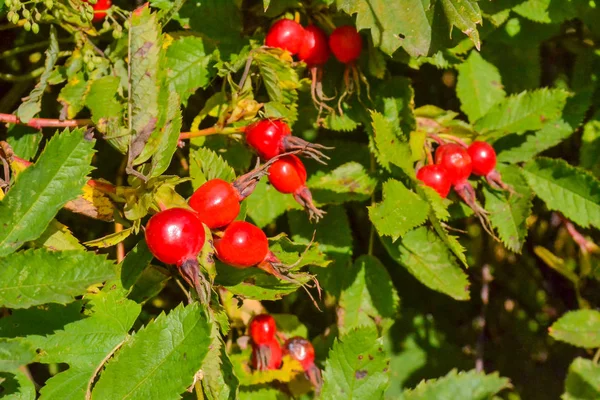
{"points": [[39, 123], [213, 130]]}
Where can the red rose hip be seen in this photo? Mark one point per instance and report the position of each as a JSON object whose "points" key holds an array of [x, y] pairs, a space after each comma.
{"points": [[266, 356], [456, 160], [242, 245], [483, 157], [216, 202], [286, 34], [314, 49], [262, 329], [345, 44], [436, 177]]}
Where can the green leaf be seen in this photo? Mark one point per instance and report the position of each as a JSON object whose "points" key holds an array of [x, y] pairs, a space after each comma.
{"points": [[580, 328], [112, 239], [15, 353], [572, 191], [392, 147], [24, 140], [170, 127], [465, 15], [356, 367], [149, 284], [400, 211], [33, 103], [187, 65], [134, 264], [84, 344], [428, 259], [17, 386], [526, 111], [509, 211], [281, 82], [218, 376], [72, 96], [107, 111], [590, 146], [42, 189], [348, 182], [583, 380], [40, 276], [179, 343], [40, 320], [369, 295], [471, 385], [479, 86], [58, 237], [519, 148], [266, 204], [205, 165]]}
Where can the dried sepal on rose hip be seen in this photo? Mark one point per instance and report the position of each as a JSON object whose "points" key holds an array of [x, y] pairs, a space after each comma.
{"points": [[176, 236], [315, 53], [288, 175], [273, 137], [303, 351], [484, 161]]}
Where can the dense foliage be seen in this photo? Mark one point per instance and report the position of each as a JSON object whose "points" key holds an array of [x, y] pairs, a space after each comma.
{"points": [[406, 257]]}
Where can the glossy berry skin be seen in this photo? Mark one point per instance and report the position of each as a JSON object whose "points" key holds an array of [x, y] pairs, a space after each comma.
{"points": [[262, 329], [242, 245], [216, 202], [175, 235], [456, 160], [287, 174], [345, 44], [302, 350], [286, 34], [99, 7], [436, 177], [266, 356], [314, 49], [483, 157], [266, 137]]}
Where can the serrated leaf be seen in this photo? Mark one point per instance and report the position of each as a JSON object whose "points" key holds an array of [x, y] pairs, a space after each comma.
{"points": [[106, 110], [110, 240], [526, 111], [519, 148], [348, 182], [450, 240], [340, 123], [187, 66], [33, 103], [17, 386], [356, 367], [179, 341], [583, 380], [58, 237], [205, 165], [149, 284], [580, 328], [85, 343], [170, 126], [281, 82], [219, 380], [72, 95], [24, 140], [39, 276], [471, 385], [266, 204], [400, 211], [572, 191], [509, 211], [465, 15], [41, 320], [428, 259], [15, 353], [368, 296], [42, 189], [391, 146], [479, 86], [134, 263]]}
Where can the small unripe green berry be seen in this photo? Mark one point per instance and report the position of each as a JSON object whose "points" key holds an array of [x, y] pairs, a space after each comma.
{"points": [[37, 16], [27, 26], [35, 28], [25, 13], [117, 33], [106, 25], [49, 4]]}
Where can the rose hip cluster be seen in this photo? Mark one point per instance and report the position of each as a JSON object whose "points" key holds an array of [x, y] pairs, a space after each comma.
{"points": [[267, 353], [271, 138], [454, 163], [176, 236], [312, 46]]}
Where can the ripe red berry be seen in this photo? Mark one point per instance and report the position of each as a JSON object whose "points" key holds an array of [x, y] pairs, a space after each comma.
{"points": [[266, 356], [175, 236], [288, 174], [345, 44], [302, 350], [483, 158], [455, 159], [242, 245], [262, 329], [314, 49], [217, 203], [436, 177], [285, 34], [266, 137], [99, 7]]}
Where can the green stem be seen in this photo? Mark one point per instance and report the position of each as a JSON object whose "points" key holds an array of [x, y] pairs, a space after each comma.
{"points": [[596, 356], [29, 47], [22, 78]]}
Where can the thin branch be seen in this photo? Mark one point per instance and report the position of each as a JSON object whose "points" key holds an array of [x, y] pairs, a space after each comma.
{"points": [[213, 130], [39, 123]]}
